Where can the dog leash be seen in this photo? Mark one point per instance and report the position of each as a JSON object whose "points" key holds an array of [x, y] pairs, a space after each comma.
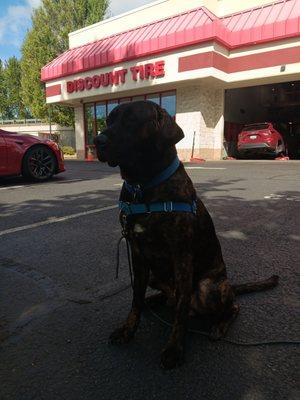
{"points": [[123, 237], [230, 341], [196, 331]]}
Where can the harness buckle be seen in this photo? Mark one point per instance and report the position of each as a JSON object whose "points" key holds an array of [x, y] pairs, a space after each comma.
{"points": [[168, 206], [137, 192], [194, 207], [124, 224]]}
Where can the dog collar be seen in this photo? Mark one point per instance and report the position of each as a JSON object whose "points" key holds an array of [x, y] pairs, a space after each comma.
{"points": [[137, 189], [168, 206]]}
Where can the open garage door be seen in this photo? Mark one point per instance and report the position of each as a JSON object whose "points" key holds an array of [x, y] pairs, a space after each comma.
{"points": [[278, 104]]}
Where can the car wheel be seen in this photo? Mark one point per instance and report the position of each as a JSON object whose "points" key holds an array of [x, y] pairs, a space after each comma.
{"points": [[39, 163]]}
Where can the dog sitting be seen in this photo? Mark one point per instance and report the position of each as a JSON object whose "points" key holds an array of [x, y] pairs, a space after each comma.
{"points": [[173, 242]]}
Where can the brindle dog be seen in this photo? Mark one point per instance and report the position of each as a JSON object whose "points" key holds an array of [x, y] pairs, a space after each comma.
{"points": [[177, 253]]}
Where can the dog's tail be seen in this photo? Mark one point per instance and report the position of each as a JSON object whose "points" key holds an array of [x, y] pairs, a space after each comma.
{"points": [[256, 286]]}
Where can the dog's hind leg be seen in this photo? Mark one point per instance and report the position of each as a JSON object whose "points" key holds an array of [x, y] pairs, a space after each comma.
{"points": [[216, 300], [141, 277], [173, 354]]}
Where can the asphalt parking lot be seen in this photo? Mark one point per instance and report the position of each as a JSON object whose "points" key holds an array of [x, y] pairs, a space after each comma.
{"points": [[59, 300]]}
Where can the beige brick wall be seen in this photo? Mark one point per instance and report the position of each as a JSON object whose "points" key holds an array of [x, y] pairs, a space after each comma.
{"points": [[201, 110]]}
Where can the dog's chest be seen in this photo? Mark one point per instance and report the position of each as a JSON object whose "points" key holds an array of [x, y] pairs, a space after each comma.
{"points": [[149, 239]]}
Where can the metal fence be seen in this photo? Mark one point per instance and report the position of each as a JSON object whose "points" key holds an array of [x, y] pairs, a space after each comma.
{"points": [[21, 121]]}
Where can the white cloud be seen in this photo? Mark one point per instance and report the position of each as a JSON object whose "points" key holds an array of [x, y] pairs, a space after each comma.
{"points": [[119, 7], [15, 21], [34, 3]]}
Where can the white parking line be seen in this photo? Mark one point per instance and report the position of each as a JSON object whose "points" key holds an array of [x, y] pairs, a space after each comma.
{"points": [[273, 196], [10, 187], [204, 168], [55, 220]]}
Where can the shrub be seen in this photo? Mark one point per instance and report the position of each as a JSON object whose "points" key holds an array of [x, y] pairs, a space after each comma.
{"points": [[68, 150]]}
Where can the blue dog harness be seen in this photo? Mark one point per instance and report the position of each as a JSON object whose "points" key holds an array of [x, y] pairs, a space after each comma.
{"points": [[167, 206]]}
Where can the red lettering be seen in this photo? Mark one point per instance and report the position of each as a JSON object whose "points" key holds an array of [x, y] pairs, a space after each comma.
{"points": [[96, 81], [104, 79], [80, 84], [134, 72], [149, 71], [159, 68], [114, 78], [122, 73], [88, 83], [142, 71], [70, 87]]}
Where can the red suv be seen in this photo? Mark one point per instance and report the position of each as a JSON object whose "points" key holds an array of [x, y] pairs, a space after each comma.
{"points": [[260, 138]]}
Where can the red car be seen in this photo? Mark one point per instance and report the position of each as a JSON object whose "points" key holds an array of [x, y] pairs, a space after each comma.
{"points": [[260, 138], [29, 156]]}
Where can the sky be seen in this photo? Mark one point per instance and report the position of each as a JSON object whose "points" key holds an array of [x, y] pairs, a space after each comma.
{"points": [[15, 21]]}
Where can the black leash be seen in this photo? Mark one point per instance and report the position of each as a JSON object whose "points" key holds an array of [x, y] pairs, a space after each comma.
{"points": [[128, 258], [231, 341], [163, 321]]}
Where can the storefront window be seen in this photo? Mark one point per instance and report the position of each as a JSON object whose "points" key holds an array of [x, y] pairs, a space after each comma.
{"points": [[111, 105], [153, 97], [138, 98], [89, 123], [168, 102], [100, 117], [125, 100]]}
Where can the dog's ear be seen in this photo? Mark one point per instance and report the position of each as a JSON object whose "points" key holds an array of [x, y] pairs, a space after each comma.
{"points": [[171, 133]]}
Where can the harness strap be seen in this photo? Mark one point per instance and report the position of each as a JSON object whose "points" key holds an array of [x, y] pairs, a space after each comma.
{"points": [[137, 189], [168, 206]]}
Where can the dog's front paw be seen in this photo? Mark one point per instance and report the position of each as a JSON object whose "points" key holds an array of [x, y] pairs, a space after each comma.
{"points": [[121, 336], [171, 357]]}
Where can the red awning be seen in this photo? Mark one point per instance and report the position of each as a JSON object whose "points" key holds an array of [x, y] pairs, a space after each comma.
{"points": [[262, 24]]}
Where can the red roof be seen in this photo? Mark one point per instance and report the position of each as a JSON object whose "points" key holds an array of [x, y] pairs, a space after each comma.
{"points": [[262, 24]]}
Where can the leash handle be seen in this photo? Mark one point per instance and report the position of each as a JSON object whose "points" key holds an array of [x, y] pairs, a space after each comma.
{"points": [[118, 257], [129, 258]]}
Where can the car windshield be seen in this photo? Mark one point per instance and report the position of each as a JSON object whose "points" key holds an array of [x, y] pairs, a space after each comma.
{"points": [[255, 127]]}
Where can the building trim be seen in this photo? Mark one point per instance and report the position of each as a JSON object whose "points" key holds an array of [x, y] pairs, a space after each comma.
{"points": [[53, 90], [238, 64], [273, 22]]}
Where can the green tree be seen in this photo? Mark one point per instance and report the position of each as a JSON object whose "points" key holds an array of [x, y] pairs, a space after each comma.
{"points": [[3, 93], [12, 82], [48, 37]]}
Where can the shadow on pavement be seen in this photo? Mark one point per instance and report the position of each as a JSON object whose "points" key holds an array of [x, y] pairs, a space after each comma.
{"points": [[64, 354]]}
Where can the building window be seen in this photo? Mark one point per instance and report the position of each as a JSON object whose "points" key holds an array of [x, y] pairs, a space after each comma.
{"points": [[111, 105], [100, 116], [95, 113], [168, 102], [153, 97]]}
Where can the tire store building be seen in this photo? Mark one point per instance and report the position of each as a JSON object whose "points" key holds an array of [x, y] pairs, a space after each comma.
{"points": [[214, 65]]}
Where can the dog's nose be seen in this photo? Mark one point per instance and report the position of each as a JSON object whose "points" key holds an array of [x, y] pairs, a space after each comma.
{"points": [[100, 140]]}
